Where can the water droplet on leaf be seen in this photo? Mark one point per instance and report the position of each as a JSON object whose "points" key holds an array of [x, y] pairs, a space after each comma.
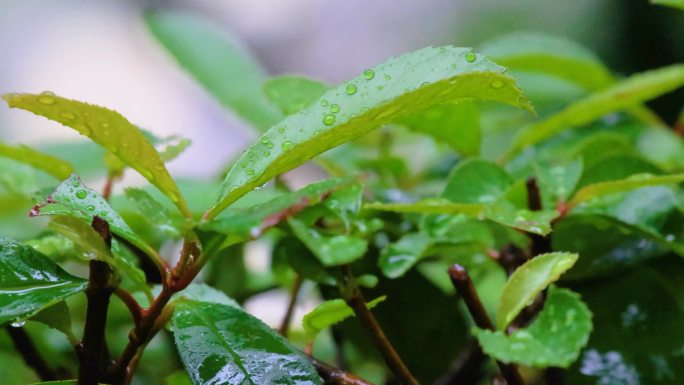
{"points": [[470, 57], [46, 98], [350, 89], [287, 145], [496, 84], [368, 74], [329, 120], [81, 194], [67, 115], [335, 108]]}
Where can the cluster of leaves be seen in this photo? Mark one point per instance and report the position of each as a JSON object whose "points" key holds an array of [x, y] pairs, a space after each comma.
{"points": [[567, 216]]}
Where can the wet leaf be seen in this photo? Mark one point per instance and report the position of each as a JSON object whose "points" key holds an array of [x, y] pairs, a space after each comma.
{"points": [[555, 338], [217, 61], [170, 223], [631, 183], [30, 282], [57, 317], [293, 93], [222, 344], [329, 313], [330, 249], [54, 166], [410, 83], [528, 281], [109, 129], [476, 181]]}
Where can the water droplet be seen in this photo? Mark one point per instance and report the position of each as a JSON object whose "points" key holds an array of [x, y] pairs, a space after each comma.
{"points": [[287, 145], [81, 194], [46, 98], [266, 153], [67, 115], [368, 74], [103, 213], [470, 57], [517, 346], [335, 108], [281, 130], [18, 323], [249, 171], [350, 89], [329, 120], [90, 208], [496, 84], [317, 132], [380, 87], [265, 140], [387, 77], [159, 166], [104, 125], [324, 102]]}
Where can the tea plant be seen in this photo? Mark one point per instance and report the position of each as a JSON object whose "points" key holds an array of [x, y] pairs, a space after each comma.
{"points": [[511, 213]]}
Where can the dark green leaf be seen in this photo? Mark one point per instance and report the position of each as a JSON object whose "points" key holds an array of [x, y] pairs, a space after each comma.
{"points": [[476, 181]]}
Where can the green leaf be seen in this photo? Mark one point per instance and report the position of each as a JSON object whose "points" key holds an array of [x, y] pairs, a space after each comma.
{"points": [[222, 344], [457, 125], [109, 129], [329, 313], [528, 281], [293, 93], [217, 61], [398, 257], [631, 183], [30, 282], [330, 249], [54, 166], [170, 223], [410, 83], [624, 94], [555, 338], [292, 251], [670, 3], [476, 181], [557, 182], [429, 206], [57, 317]]}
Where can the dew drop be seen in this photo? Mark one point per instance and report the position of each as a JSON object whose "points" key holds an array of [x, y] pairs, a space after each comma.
{"points": [[287, 145], [496, 84], [103, 213], [380, 87], [18, 323], [81, 194], [281, 130], [368, 74], [90, 208], [266, 153], [324, 102], [329, 120], [350, 89], [249, 171], [67, 115], [387, 77], [265, 140], [470, 57], [317, 132], [46, 98], [335, 108]]}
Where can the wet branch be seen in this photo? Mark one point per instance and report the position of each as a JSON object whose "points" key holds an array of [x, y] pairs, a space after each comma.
{"points": [[335, 376]]}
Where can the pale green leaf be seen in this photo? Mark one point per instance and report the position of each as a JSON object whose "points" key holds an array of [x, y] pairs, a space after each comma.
{"points": [[293, 93], [109, 129], [54, 166], [410, 83], [528, 281], [329, 313]]}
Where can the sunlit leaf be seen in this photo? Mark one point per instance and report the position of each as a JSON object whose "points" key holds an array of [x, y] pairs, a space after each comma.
{"points": [[410, 83], [109, 129], [54, 166], [528, 281], [329, 313]]}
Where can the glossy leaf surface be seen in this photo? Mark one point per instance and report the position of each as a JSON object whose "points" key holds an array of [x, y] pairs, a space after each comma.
{"points": [[221, 344], [30, 282], [410, 83], [109, 129], [528, 281]]}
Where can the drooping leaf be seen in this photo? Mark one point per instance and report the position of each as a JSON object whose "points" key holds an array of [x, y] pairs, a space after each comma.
{"points": [[555, 338], [329, 313], [670, 3], [109, 129], [612, 168], [400, 256], [631, 183], [57, 317], [293, 93], [217, 61], [624, 94], [30, 282], [54, 166], [528, 281], [410, 83], [222, 344], [73, 198]]}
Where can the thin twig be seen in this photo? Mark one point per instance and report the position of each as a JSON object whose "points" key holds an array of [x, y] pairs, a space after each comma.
{"points": [[335, 376], [130, 302], [357, 302], [25, 346], [107, 188], [287, 318], [464, 285]]}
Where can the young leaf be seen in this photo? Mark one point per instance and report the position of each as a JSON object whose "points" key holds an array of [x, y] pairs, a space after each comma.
{"points": [[109, 129], [331, 250], [292, 93], [528, 281], [631, 183], [54, 166], [57, 317], [624, 94], [170, 223], [476, 181], [73, 198], [555, 338], [409, 84], [30, 282], [221, 344], [216, 61], [329, 313]]}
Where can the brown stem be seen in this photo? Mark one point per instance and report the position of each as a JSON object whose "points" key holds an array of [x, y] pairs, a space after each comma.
{"points": [[93, 352], [334, 376], [130, 302], [25, 346], [107, 188], [357, 302], [287, 318], [464, 285]]}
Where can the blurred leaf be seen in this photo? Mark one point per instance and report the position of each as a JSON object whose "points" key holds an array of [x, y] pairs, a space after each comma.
{"points": [[223, 344], [476, 181], [616, 167], [293, 93], [630, 183], [670, 3], [52, 165], [429, 206], [411, 83], [555, 338], [398, 257], [30, 282], [110, 130], [508, 214], [170, 223], [457, 125], [217, 61], [528, 281], [330, 249], [301, 260], [57, 317], [63, 382], [329, 313], [624, 94], [557, 182]]}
